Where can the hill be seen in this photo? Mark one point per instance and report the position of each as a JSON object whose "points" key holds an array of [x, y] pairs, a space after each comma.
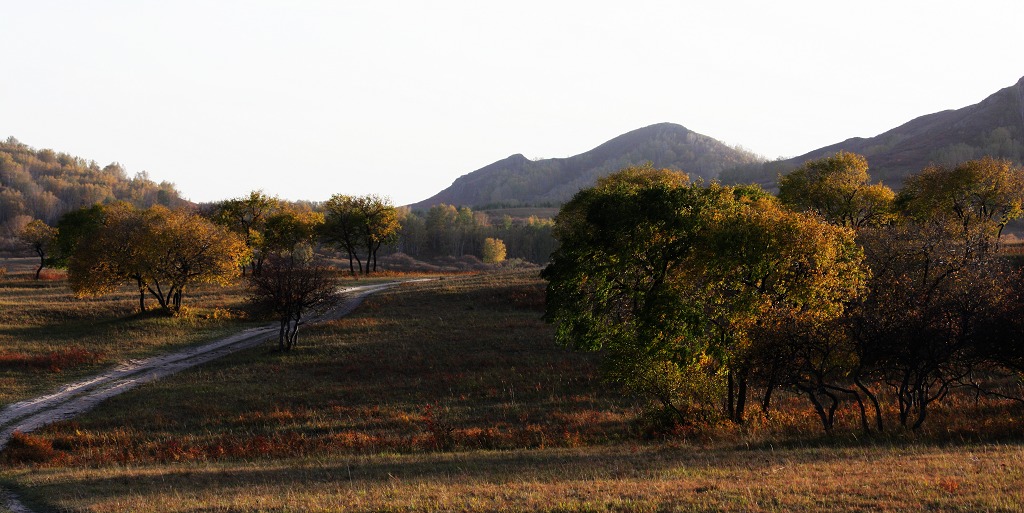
{"points": [[518, 181], [44, 184], [994, 127]]}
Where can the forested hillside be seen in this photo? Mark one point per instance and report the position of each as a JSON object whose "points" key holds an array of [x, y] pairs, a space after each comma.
{"points": [[517, 180], [44, 184]]}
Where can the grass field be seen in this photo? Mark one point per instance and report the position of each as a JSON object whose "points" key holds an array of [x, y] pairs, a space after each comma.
{"points": [[450, 395], [49, 337]]}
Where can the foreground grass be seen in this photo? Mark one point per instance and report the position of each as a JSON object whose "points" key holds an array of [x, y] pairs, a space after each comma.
{"points": [[612, 478], [451, 396]]}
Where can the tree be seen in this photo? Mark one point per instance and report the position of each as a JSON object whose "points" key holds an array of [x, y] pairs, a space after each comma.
{"points": [[838, 189], [352, 223], [380, 226], [73, 228], [289, 227], [291, 284], [980, 196], [109, 249], [613, 283], [161, 250], [39, 236], [342, 227], [494, 250], [247, 216], [761, 266], [684, 278]]}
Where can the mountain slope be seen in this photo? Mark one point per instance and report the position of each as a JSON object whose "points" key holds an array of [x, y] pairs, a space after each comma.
{"points": [[517, 180], [44, 184], [994, 127]]}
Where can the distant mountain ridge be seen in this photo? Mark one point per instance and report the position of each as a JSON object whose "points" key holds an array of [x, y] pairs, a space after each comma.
{"points": [[994, 127], [517, 181]]}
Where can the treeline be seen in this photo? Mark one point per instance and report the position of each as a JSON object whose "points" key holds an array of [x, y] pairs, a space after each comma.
{"points": [[43, 185], [162, 251], [446, 230], [705, 298]]}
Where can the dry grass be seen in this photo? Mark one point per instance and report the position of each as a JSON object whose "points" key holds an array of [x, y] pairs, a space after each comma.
{"points": [[451, 396], [49, 337], [457, 364], [628, 477]]}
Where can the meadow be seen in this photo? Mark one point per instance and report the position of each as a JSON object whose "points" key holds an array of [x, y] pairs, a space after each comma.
{"points": [[49, 337], [451, 395]]}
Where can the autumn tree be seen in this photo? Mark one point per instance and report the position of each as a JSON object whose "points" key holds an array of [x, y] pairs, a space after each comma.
{"points": [[979, 196], [106, 245], [837, 188], [359, 223], [380, 226], [342, 227], [762, 268], [288, 228], [293, 283], [494, 251], [247, 216], [162, 251], [40, 237], [675, 282], [939, 290]]}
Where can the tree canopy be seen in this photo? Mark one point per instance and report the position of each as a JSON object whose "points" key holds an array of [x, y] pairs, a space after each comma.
{"points": [[161, 250], [662, 274], [355, 224], [44, 185], [835, 290], [837, 188]]}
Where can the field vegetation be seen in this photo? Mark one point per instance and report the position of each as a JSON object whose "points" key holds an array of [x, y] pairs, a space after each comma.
{"points": [[451, 395], [744, 351], [49, 337]]}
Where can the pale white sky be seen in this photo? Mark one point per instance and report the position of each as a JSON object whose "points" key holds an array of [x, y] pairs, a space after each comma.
{"points": [[304, 99]]}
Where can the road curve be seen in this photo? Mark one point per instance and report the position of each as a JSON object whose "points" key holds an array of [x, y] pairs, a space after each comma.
{"points": [[77, 398]]}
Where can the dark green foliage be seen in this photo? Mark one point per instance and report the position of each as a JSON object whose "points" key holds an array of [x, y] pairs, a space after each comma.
{"points": [[447, 231], [676, 283]]}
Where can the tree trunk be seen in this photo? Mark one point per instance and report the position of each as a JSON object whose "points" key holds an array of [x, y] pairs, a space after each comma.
{"points": [[767, 400], [142, 294], [874, 403], [730, 397], [741, 396], [283, 331]]}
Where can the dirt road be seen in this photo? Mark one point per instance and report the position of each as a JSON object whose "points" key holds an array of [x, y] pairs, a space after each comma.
{"points": [[77, 398]]}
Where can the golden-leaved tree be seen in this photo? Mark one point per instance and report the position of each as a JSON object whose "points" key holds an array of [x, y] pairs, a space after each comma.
{"points": [[161, 251]]}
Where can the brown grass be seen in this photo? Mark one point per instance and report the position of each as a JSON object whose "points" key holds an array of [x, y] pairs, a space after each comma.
{"points": [[49, 337], [621, 478], [451, 396]]}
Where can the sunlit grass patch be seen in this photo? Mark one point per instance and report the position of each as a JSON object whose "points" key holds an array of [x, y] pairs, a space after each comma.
{"points": [[44, 329], [619, 478]]}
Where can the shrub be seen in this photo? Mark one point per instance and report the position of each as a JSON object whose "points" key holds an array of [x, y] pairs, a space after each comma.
{"points": [[25, 448]]}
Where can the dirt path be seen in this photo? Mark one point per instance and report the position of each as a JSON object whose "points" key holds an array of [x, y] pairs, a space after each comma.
{"points": [[77, 398]]}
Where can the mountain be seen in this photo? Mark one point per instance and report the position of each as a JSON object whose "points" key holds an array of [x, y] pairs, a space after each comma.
{"points": [[994, 127], [517, 181]]}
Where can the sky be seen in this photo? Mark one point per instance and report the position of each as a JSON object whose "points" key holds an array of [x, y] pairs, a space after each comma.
{"points": [[305, 99]]}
